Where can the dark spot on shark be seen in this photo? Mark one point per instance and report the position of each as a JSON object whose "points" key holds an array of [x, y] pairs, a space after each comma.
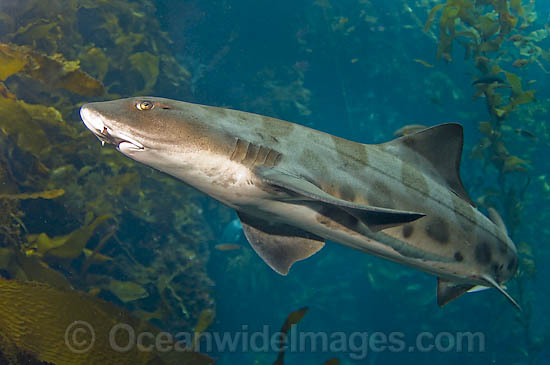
{"points": [[407, 230], [310, 158], [351, 150], [330, 189], [380, 196], [458, 256], [347, 193], [438, 230], [497, 270], [502, 247], [483, 253]]}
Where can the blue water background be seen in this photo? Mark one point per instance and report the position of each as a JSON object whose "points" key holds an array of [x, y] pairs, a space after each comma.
{"points": [[365, 101]]}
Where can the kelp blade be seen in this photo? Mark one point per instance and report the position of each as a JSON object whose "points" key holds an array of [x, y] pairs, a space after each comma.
{"points": [[34, 319]]}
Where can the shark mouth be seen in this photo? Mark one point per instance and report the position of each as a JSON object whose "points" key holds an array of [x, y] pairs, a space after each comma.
{"points": [[123, 142], [95, 123]]}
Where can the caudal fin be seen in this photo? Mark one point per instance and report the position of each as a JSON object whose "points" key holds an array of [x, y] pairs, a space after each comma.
{"points": [[495, 285]]}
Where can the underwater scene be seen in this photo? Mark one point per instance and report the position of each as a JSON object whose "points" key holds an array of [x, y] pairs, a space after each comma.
{"points": [[146, 217]]}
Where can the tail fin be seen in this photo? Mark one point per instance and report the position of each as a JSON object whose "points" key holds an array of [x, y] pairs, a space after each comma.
{"points": [[495, 285]]}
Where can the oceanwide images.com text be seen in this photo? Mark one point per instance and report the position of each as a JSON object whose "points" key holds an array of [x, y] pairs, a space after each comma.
{"points": [[80, 337]]}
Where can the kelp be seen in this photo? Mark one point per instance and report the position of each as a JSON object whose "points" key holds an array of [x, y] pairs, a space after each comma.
{"points": [[31, 126], [18, 123], [126, 291], [57, 72], [64, 247], [504, 43], [31, 260], [205, 319], [95, 257], [53, 70], [12, 61], [48, 194], [33, 269], [282, 96], [54, 56], [35, 318], [148, 67], [293, 319]]}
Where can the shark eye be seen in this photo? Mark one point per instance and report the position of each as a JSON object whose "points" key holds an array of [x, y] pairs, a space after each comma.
{"points": [[145, 105]]}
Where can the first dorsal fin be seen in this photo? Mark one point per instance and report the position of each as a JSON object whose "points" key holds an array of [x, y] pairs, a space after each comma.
{"points": [[441, 147]]}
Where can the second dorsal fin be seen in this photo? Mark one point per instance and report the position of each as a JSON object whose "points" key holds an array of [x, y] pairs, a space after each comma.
{"points": [[441, 147], [497, 219]]}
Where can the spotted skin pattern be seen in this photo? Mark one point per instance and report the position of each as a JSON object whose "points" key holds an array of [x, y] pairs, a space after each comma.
{"points": [[228, 155]]}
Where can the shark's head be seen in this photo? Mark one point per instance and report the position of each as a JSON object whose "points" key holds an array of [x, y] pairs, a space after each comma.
{"points": [[150, 129]]}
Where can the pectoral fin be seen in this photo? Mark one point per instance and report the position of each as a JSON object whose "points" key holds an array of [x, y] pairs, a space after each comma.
{"points": [[374, 217], [279, 245], [447, 291]]}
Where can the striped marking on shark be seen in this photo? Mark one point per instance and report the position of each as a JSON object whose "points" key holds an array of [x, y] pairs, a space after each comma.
{"points": [[294, 187]]}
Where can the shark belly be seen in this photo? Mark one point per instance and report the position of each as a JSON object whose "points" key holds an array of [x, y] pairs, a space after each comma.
{"points": [[238, 187], [381, 244]]}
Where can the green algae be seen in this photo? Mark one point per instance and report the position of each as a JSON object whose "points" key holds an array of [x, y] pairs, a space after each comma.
{"points": [[51, 62]]}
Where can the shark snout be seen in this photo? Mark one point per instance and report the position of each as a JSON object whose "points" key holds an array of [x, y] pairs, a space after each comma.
{"points": [[95, 122], [91, 119]]}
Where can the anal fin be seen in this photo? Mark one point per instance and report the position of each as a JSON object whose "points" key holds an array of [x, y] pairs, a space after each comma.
{"points": [[448, 290], [279, 245]]}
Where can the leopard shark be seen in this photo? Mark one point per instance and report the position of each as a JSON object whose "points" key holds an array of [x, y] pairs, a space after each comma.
{"points": [[294, 187]]}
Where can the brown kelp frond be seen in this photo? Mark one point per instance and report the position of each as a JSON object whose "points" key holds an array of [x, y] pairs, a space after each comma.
{"points": [[293, 319], [58, 186], [42, 320]]}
